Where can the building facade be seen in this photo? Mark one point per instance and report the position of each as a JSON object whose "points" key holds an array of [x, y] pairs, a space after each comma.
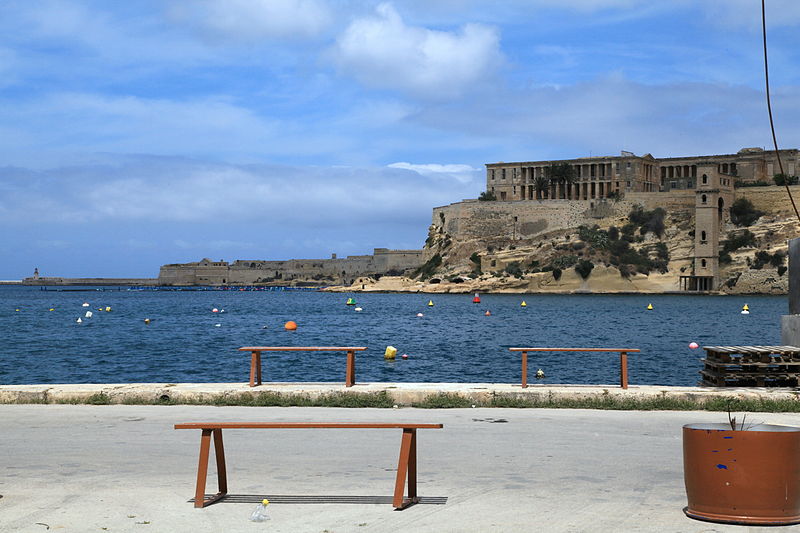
{"points": [[609, 176]]}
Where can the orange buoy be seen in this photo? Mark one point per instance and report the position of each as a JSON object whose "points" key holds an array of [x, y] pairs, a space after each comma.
{"points": [[487, 313], [290, 326]]}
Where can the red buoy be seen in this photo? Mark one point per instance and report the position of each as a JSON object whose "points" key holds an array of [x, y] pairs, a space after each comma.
{"points": [[477, 299]]}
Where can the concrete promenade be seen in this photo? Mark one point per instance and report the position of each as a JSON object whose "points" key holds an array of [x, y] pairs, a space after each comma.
{"points": [[82, 468], [403, 394]]}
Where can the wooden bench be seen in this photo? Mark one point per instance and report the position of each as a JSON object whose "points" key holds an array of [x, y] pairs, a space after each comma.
{"points": [[255, 359], [623, 360], [407, 464]]}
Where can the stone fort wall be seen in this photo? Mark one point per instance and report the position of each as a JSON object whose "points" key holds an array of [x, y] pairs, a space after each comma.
{"points": [[325, 271], [526, 219]]}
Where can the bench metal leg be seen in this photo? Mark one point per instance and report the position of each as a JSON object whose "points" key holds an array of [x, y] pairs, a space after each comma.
{"points": [[524, 370], [406, 465], [202, 468], [350, 376], [255, 368]]}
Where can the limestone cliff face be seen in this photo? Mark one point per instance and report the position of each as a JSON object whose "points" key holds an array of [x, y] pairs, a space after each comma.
{"points": [[508, 259]]}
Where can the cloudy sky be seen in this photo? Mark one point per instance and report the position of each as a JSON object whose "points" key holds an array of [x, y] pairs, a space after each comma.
{"points": [[134, 134]]}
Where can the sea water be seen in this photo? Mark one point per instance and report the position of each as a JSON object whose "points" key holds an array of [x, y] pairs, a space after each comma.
{"points": [[453, 342]]}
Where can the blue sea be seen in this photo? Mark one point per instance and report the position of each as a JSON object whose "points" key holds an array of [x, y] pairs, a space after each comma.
{"points": [[453, 342]]}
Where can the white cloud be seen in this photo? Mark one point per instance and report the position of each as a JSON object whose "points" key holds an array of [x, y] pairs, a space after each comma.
{"points": [[460, 173], [252, 20], [382, 51]]}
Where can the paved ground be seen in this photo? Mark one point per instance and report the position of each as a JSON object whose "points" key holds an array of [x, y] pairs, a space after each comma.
{"points": [[123, 468]]}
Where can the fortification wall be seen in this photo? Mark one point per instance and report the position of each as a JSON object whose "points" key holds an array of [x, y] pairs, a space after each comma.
{"points": [[248, 272], [525, 219], [135, 282], [772, 199]]}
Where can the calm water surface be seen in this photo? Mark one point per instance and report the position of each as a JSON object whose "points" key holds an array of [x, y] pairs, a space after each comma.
{"points": [[453, 342]]}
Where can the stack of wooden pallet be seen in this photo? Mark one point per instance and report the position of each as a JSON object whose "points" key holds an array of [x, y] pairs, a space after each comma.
{"points": [[751, 366]]}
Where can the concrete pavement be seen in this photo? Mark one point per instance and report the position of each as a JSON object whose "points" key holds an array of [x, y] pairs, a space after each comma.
{"points": [[124, 468]]}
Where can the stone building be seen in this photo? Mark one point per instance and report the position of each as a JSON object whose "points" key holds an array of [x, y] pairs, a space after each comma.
{"points": [[607, 176]]}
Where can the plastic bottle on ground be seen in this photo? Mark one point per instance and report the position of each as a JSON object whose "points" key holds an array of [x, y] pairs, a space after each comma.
{"points": [[260, 514]]}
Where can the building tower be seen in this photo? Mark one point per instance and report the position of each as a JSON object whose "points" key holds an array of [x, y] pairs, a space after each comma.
{"points": [[713, 199]]}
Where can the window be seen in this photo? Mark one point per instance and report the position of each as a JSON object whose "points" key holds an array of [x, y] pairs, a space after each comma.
{"points": [[492, 173], [503, 195], [702, 236], [703, 263], [703, 198], [629, 164], [673, 184], [689, 184], [503, 174], [705, 179]]}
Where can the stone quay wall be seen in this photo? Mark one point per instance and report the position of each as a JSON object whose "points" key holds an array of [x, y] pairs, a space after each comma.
{"points": [[135, 282]]}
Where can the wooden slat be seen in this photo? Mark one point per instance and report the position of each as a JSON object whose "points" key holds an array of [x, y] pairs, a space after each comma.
{"points": [[300, 425], [627, 350], [303, 348]]}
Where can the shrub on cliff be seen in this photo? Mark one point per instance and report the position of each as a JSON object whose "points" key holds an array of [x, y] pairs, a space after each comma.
{"points": [[556, 274], [783, 179], [430, 266], [487, 196], [584, 268], [743, 213]]}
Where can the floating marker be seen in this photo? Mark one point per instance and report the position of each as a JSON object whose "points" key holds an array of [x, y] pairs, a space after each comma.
{"points": [[17, 310], [745, 308], [290, 326], [215, 310], [108, 309], [649, 307], [487, 313], [523, 304], [420, 314], [390, 353], [476, 299], [221, 310], [88, 314], [350, 301], [694, 345], [745, 312], [85, 304], [79, 321], [404, 356], [540, 374], [217, 325], [52, 309], [147, 321], [358, 309], [430, 303]]}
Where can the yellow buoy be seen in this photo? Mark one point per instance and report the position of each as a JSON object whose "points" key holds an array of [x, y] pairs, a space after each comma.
{"points": [[649, 307], [52, 309], [523, 304], [108, 309], [745, 308], [430, 303], [147, 321], [390, 353]]}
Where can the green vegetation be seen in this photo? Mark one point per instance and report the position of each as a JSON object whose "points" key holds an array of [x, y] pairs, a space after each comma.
{"points": [[564, 261], [783, 179], [584, 268], [475, 259], [743, 213], [763, 258], [514, 269], [648, 221], [556, 274], [735, 240], [487, 196], [446, 400], [428, 269]]}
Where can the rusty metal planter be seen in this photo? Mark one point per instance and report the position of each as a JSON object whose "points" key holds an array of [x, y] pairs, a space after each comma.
{"points": [[750, 476]]}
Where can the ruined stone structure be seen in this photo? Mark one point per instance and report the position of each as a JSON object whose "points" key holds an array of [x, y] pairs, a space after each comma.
{"points": [[324, 271], [713, 200], [604, 177]]}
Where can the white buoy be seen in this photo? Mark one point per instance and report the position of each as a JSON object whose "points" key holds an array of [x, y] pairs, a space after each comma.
{"points": [[420, 314], [745, 312], [88, 314], [79, 320], [85, 304], [358, 309], [217, 325]]}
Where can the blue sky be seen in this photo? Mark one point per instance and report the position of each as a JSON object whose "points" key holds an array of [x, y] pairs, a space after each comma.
{"points": [[134, 134]]}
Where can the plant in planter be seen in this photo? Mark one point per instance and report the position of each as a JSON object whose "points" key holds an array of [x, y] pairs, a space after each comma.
{"points": [[742, 474]]}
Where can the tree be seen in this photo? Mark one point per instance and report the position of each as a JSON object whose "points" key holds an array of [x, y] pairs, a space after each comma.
{"points": [[541, 184], [562, 173], [487, 196], [584, 268], [783, 179], [743, 213]]}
